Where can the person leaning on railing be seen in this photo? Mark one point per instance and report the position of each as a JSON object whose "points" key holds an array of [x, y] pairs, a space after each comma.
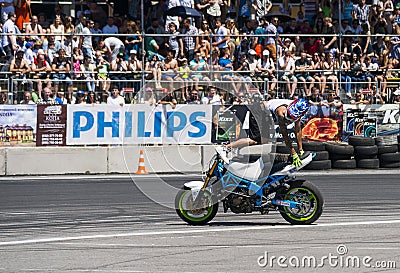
{"points": [[21, 70], [41, 69], [61, 68]]}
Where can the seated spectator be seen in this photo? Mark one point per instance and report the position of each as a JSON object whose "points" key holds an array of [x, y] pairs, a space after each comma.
{"points": [[331, 66], [47, 97], [102, 72], [153, 70], [168, 98], [198, 65], [184, 74], [287, 68], [151, 46], [368, 68], [119, 67], [374, 96], [110, 28], [255, 71], [21, 70], [27, 98], [29, 56], [226, 64], [359, 99], [77, 58], [212, 97], [243, 48], [233, 32], [135, 67], [42, 20], [213, 63], [205, 31], [243, 69], [193, 98], [317, 66], [57, 28], [34, 29], [97, 32], [302, 74], [115, 98], [332, 100], [88, 73], [268, 71], [60, 98], [42, 70], [69, 27], [355, 71], [149, 97], [345, 78], [91, 98], [61, 67], [316, 98], [169, 68], [80, 97], [396, 97]]}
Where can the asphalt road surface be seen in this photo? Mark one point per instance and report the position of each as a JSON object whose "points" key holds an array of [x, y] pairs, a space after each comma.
{"points": [[106, 224]]}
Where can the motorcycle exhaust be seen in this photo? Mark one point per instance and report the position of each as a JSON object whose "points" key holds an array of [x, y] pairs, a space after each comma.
{"points": [[286, 203]]}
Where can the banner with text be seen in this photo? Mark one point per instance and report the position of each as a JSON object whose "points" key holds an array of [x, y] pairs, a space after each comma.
{"points": [[138, 124], [17, 125], [371, 120], [51, 125]]}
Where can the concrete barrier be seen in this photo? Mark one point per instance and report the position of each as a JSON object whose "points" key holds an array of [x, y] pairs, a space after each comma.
{"points": [[55, 160], [3, 161], [158, 159], [99, 160]]}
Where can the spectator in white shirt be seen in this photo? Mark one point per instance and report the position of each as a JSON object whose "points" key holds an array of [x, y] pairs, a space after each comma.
{"points": [[115, 98]]}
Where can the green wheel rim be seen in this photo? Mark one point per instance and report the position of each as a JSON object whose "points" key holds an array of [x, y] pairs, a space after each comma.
{"points": [[309, 201], [186, 213]]}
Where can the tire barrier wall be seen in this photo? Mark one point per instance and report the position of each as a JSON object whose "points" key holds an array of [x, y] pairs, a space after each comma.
{"points": [[366, 153], [361, 152]]}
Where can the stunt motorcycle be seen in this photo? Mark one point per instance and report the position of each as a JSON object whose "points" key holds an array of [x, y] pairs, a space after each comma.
{"points": [[250, 186]]}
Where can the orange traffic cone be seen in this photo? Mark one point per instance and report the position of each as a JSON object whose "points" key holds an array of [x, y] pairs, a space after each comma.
{"points": [[141, 168]]}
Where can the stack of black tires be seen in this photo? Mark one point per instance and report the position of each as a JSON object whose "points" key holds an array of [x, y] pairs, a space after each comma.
{"points": [[365, 152], [321, 160], [341, 155], [388, 153], [361, 152]]}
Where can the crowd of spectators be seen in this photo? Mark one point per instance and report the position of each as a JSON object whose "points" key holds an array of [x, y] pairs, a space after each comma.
{"points": [[248, 45]]}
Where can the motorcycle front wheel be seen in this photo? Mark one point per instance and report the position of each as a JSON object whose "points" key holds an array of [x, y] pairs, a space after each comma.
{"points": [[311, 200], [198, 211]]}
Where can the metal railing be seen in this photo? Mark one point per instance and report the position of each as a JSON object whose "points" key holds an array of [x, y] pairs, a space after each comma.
{"points": [[212, 72]]}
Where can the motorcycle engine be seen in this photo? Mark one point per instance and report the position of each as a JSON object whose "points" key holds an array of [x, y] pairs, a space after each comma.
{"points": [[238, 202]]}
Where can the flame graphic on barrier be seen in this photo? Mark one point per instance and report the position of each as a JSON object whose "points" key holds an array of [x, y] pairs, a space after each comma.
{"points": [[321, 129]]}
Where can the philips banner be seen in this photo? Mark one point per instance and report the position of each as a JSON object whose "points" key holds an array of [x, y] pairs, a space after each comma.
{"points": [[138, 124]]}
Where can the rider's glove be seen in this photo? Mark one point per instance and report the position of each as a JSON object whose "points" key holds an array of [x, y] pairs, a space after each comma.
{"points": [[296, 161], [301, 153]]}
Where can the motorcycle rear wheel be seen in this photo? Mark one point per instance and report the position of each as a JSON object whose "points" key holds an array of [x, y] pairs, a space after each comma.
{"points": [[312, 202], [195, 212]]}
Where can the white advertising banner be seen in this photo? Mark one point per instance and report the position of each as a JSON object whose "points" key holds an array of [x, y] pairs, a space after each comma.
{"points": [[17, 125], [138, 124]]}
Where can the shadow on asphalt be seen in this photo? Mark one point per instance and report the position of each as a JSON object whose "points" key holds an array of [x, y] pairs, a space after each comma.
{"points": [[233, 224]]}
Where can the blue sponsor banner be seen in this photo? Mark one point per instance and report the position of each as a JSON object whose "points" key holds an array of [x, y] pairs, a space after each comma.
{"points": [[138, 124]]}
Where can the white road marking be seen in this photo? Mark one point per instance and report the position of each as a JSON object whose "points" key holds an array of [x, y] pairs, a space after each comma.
{"points": [[191, 231]]}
